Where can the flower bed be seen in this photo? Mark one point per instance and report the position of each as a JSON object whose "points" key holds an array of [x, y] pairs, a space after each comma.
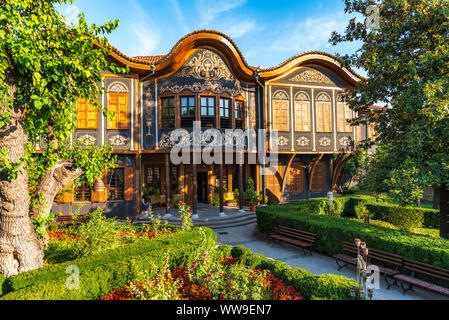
{"points": [[188, 289]]}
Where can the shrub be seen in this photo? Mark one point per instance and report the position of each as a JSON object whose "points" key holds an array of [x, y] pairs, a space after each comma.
{"points": [[328, 287], [360, 211], [146, 250], [405, 218], [333, 208], [333, 231], [96, 234]]}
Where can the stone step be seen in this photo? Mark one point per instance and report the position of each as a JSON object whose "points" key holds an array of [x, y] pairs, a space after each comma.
{"points": [[217, 222]]}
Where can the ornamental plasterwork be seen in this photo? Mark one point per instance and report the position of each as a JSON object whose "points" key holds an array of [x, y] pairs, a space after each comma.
{"points": [[325, 142], [149, 114], [206, 65], [302, 97], [118, 140], [118, 87], [323, 97], [345, 141], [207, 140], [280, 95], [87, 139], [166, 141], [311, 76], [303, 142], [281, 141], [197, 87]]}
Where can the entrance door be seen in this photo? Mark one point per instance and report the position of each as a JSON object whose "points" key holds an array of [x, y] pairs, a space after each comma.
{"points": [[202, 187]]}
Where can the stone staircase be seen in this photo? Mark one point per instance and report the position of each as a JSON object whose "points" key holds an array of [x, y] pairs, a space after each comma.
{"points": [[229, 221]]}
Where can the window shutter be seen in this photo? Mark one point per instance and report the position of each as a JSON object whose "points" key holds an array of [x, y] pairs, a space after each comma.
{"points": [[67, 197], [129, 184]]}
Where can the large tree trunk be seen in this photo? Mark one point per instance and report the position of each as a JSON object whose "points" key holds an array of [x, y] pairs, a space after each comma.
{"points": [[444, 211], [436, 198], [20, 249]]}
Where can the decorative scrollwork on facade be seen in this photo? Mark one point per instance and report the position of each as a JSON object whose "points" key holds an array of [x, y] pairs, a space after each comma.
{"points": [[87, 139], [302, 96], [280, 95], [197, 87], [311, 76], [303, 142], [118, 87], [325, 142], [281, 141], [206, 65], [345, 141], [323, 97], [118, 140]]}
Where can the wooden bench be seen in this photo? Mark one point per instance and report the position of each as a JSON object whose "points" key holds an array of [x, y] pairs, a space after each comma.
{"points": [[424, 269], [389, 258], [66, 218], [296, 237], [348, 257]]}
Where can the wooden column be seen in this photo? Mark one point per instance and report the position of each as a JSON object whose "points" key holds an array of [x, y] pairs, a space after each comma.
{"points": [[230, 178], [221, 187], [241, 186], [195, 189], [167, 183]]}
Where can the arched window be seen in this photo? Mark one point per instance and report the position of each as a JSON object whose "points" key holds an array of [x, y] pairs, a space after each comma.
{"points": [[280, 111], [344, 113], [118, 105], [302, 113], [86, 115], [323, 113]]}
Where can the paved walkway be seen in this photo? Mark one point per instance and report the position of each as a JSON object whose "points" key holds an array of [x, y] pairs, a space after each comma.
{"points": [[249, 236]]}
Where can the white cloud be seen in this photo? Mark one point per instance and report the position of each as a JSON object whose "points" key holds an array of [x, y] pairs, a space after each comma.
{"points": [[311, 34], [210, 10], [238, 29], [143, 29], [179, 15]]}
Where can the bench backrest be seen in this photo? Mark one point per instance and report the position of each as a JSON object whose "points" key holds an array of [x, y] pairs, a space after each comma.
{"points": [[426, 269], [350, 247], [386, 257], [64, 218], [295, 233]]}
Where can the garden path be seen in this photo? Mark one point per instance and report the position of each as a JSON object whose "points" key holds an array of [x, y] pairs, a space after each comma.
{"points": [[250, 237]]}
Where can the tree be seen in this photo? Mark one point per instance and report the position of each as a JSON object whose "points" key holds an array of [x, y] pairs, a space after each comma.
{"points": [[45, 67], [405, 50]]}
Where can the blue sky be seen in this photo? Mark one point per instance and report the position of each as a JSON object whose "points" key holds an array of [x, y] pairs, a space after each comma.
{"points": [[267, 32]]}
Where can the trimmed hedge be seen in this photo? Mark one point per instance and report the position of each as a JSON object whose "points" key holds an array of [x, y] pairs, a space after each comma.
{"points": [[404, 218], [112, 269], [333, 231], [311, 286]]}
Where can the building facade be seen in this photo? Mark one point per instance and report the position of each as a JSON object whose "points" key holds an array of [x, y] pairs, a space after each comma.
{"points": [[205, 79]]}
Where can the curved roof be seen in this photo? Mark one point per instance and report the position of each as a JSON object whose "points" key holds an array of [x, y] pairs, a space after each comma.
{"points": [[181, 51]]}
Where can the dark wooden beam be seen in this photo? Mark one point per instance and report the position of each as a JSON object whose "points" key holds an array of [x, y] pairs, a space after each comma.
{"points": [[167, 183], [241, 186], [221, 187], [312, 167], [195, 189], [287, 168], [341, 160]]}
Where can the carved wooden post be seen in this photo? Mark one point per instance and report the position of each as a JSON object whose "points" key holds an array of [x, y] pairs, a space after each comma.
{"points": [[195, 189], [167, 183], [241, 186], [221, 188]]}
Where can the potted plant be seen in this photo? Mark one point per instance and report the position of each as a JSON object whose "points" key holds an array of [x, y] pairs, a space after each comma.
{"points": [[251, 195]]}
